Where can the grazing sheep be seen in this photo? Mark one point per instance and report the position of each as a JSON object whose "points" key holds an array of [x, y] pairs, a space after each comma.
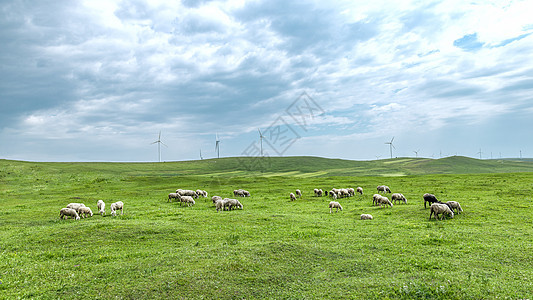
{"points": [[84, 211], [75, 206], [398, 197], [187, 193], [173, 196], [187, 200], [375, 199], [119, 205], [334, 204], [334, 196], [68, 212], [366, 217], [454, 205], [442, 209], [220, 204], [359, 190], [384, 201], [231, 203], [246, 193], [101, 207], [215, 199], [298, 193], [320, 192], [430, 198], [343, 193], [351, 192], [383, 188], [291, 195], [201, 193], [316, 192]]}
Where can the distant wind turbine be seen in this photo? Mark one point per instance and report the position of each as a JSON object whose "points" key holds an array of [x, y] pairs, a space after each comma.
{"points": [[201, 157], [479, 153], [159, 142], [416, 152], [378, 156], [391, 146], [261, 141], [217, 146]]}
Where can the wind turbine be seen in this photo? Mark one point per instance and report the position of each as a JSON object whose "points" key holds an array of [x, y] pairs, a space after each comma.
{"points": [[217, 146], [416, 153], [159, 142], [377, 157], [261, 140], [201, 157], [479, 153], [391, 146]]}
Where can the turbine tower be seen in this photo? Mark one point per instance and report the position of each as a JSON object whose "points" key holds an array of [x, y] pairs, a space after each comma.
{"points": [[217, 146], [479, 153], [159, 142], [391, 146], [261, 141], [201, 157]]}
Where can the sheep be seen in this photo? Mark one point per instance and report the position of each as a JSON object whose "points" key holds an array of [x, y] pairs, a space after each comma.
{"points": [[187, 193], [188, 200], [398, 197], [316, 192], [246, 193], [235, 192], [173, 196], [454, 205], [68, 212], [101, 207], [320, 192], [84, 211], [298, 193], [291, 195], [75, 206], [201, 193], [231, 203], [334, 204], [383, 188], [219, 204], [438, 208], [429, 198], [375, 199], [351, 192], [334, 196], [343, 193], [117, 205], [215, 199], [366, 217], [359, 190], [385, 201], [241, 193]]}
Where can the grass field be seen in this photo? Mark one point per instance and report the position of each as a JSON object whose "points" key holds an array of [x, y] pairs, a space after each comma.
{"points": [[273, 248]]}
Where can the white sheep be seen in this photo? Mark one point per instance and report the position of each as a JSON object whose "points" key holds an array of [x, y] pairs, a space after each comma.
{"points": [[334, 204], [442, 209], [173, 196], [201, 193], [334, 196], [83, 211], [366, 217], [291, 195], [75, 206], [119, 205], [215, 199], [320, 192], [187, 193], [454, 205], [375, 199], [351, 192], [316, 192], [359, 190], [383, 188], [398, 197], [219, 204], [384, 201], [246, 193], [68, 212], [101, 207], [231, 203], [299, 193], [187, 200]]}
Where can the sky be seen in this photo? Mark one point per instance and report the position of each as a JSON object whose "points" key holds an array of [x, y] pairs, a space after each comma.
{"points": [[99, 80]]}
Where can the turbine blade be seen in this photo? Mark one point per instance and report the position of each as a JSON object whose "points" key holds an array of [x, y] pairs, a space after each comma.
{"points": [[392, 140], [164, 144]]}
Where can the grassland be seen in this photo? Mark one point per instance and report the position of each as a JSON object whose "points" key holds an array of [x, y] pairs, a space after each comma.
{"points": [[273, 248]]}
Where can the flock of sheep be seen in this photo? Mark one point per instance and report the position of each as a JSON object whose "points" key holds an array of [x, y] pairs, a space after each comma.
{"points": [[75, 210], [437, 207]]}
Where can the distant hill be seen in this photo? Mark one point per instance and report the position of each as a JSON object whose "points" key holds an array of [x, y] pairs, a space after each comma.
{"points": [[300, 166]]}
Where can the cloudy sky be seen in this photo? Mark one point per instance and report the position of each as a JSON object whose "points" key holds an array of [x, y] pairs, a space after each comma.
{"points": [[98, 80]]}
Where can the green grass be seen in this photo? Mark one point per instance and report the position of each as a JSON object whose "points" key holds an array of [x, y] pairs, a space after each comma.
{"points": [[273, 248]]}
